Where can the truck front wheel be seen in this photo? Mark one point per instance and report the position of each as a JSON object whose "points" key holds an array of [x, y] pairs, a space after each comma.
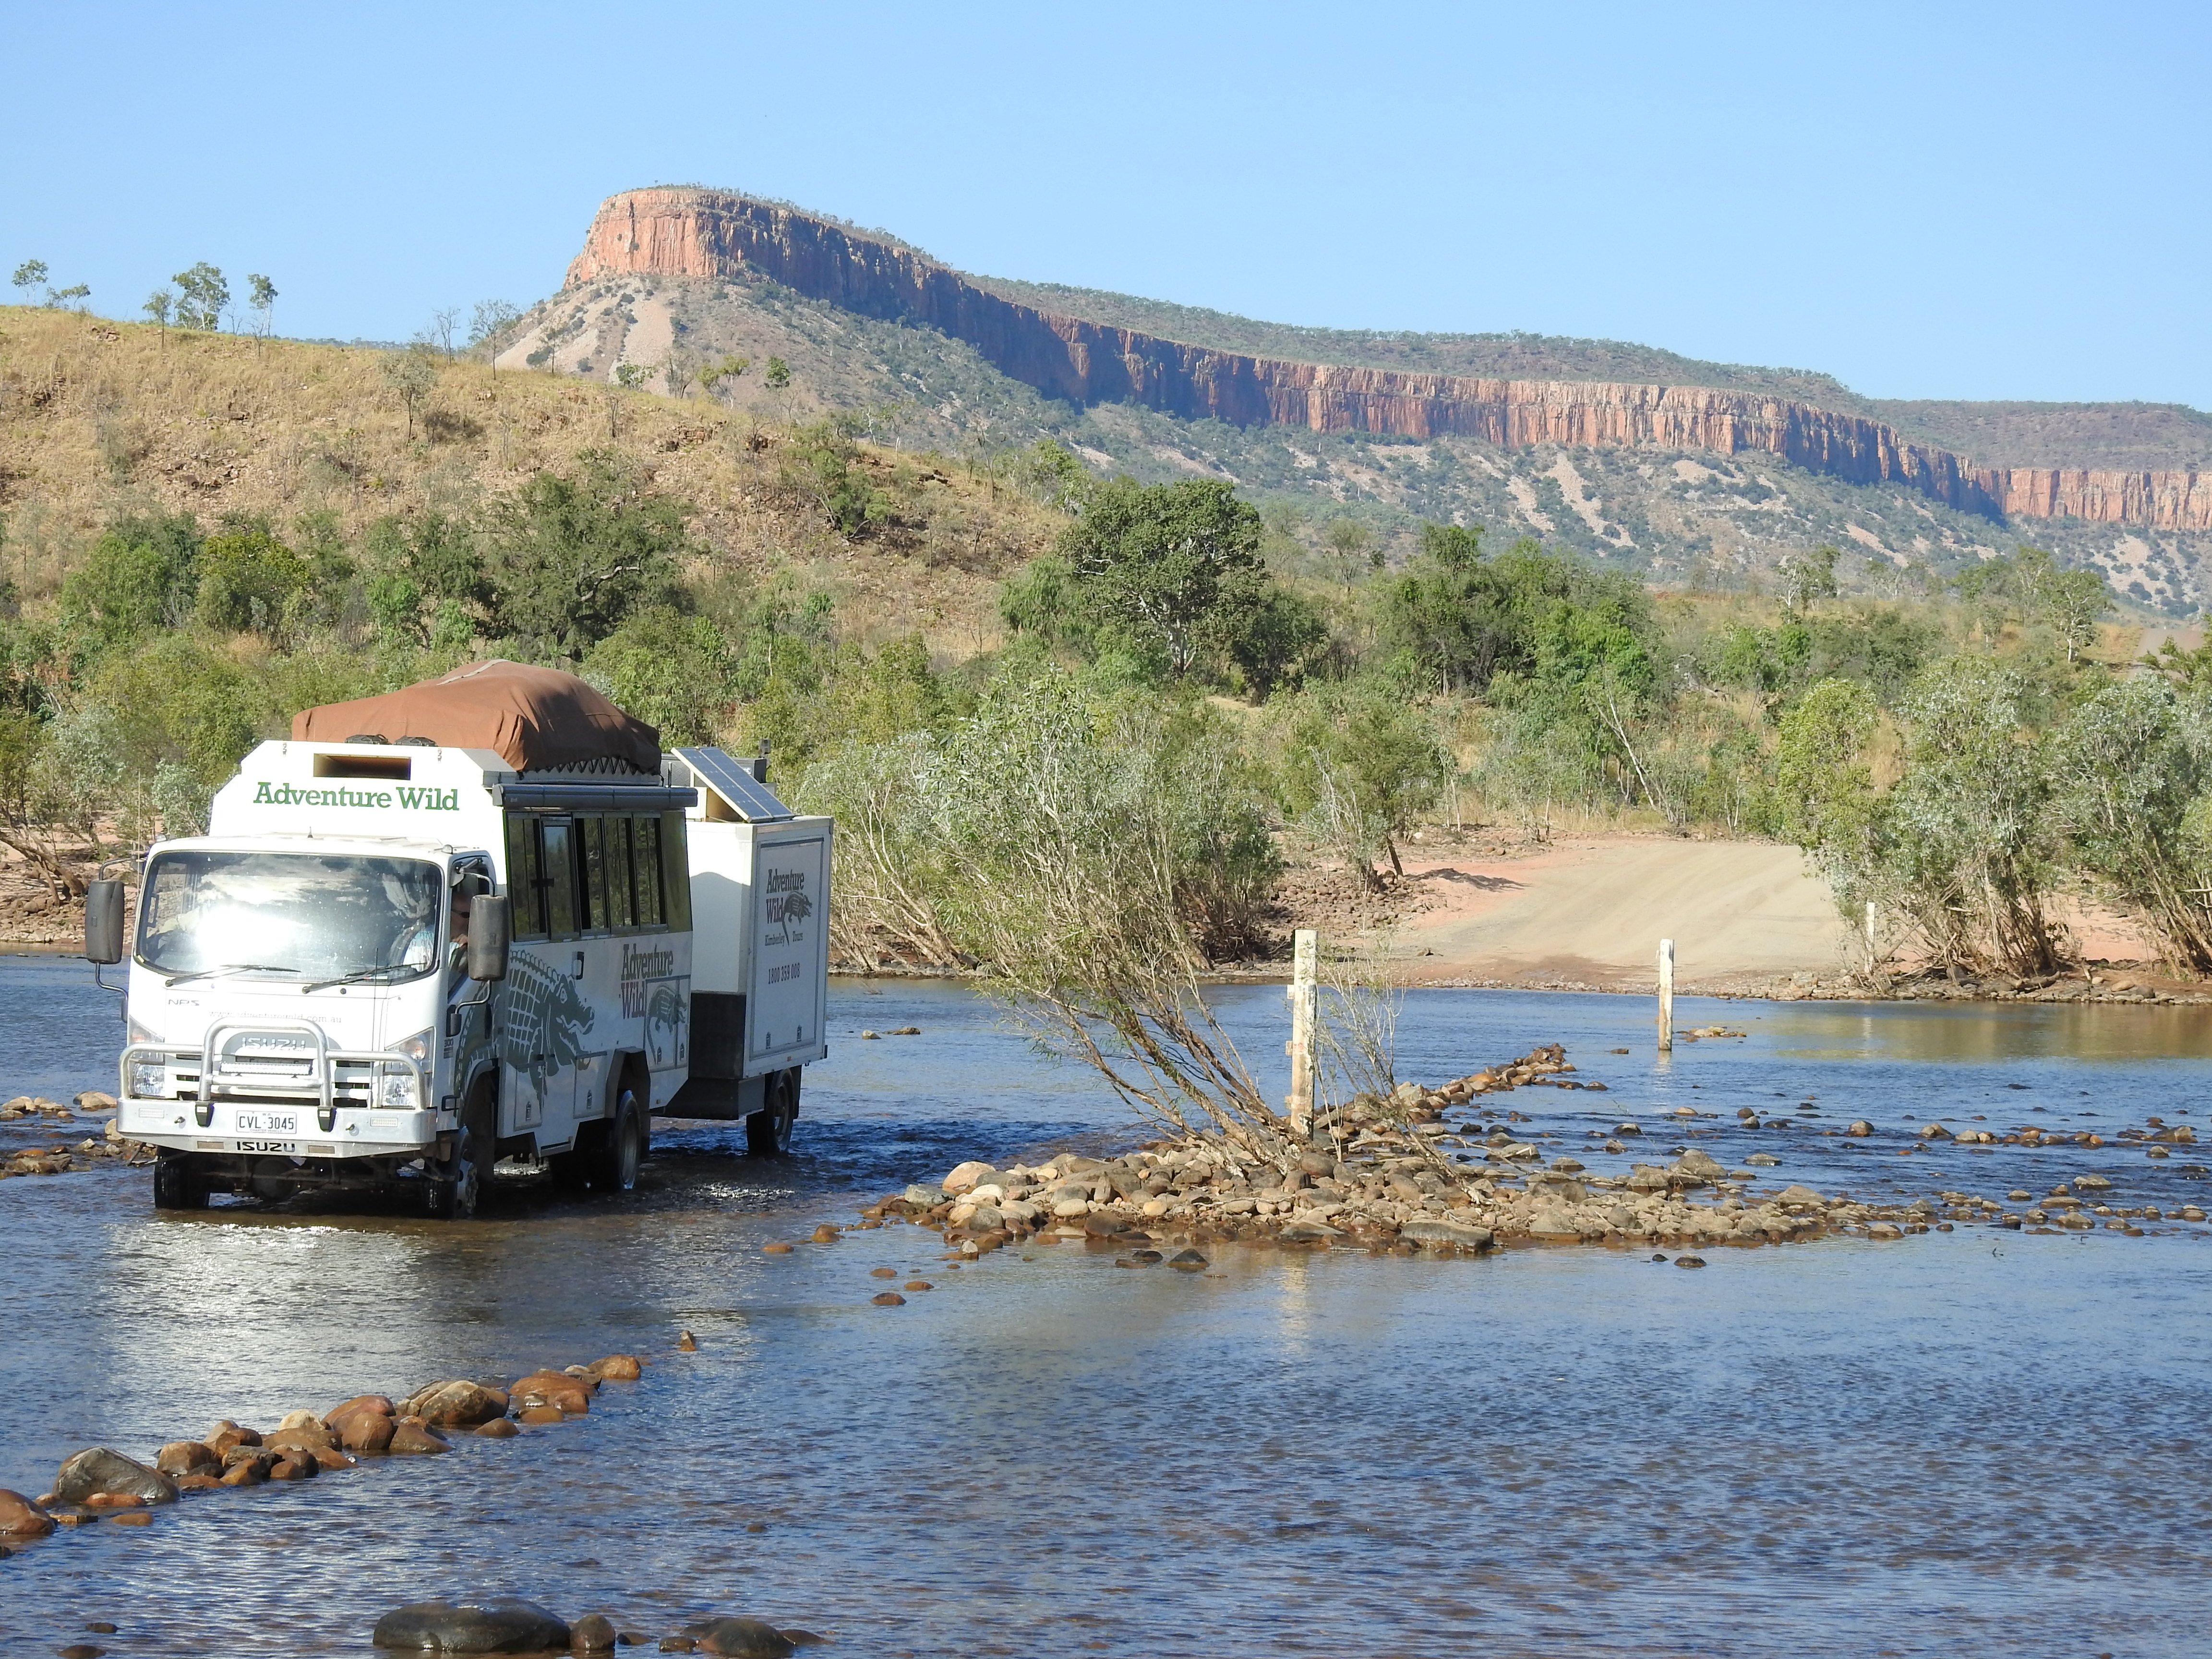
{"points": [[178, 1182], [767, 1131], [451, 1192], [621, 1149]]}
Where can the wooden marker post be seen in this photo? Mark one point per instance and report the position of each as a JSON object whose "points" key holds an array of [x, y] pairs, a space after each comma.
{"points": [[1666, 996], [1305, 949]]}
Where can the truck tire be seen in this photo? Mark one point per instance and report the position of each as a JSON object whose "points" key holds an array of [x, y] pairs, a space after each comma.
{"points": [[452, 1192], [178, 1183], [620, 1150], [767, 1131]]}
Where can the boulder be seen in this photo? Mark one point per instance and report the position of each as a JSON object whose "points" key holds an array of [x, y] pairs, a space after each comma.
{"points": [[313, 1437], [410, 1435], [559, 1390], [593, 1633], [1435, 1230], [1800, 1197], [21, 1517], [226, 1434], [1698, 1165], [618, 1368], [379, 1404], [299, 1419], [182, 1457], [740, 1639], [500, 1428], [455, 1404], [361, 1430], [99, 1469], [514, 1627], [965, 1175]]}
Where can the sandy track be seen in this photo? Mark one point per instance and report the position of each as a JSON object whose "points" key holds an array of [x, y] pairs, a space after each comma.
{"points": [[1594, 910]]}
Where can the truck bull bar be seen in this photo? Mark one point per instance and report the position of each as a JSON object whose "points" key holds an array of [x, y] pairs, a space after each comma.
{"points": [[296, 1068]]}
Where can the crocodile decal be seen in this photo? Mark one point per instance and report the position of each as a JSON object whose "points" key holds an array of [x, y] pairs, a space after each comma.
{"points": [[668, 1025], [543, 1019]]}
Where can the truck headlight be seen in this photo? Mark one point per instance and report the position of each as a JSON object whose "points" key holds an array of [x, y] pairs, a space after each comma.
{"points": [[135, 1032], [397, 1089], [416, 1047], [150, 1080]]}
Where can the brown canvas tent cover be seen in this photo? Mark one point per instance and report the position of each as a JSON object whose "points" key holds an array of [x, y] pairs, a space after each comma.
{"points": [[539, 719]]}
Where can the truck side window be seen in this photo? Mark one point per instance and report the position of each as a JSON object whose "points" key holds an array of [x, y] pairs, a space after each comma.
{"points": [[525, 886], [594, 906], [559, 877], [645, 840], [621, 911], [675, 872]]}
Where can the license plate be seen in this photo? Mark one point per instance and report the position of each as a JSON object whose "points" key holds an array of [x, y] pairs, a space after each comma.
{"points": [[268, 1123]]}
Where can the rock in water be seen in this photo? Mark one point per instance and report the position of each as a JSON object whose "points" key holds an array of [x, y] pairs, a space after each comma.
{"points": [[740, 1639], [593, 1633], [457, 1405], [22, 1518], [1436, 1231], [1700, 1165], [99, 1469], [410, 1437], [183, 1457], [1187, 1262], [491, 1627]]}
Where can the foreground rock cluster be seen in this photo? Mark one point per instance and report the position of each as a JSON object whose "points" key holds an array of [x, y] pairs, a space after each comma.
{"points": [[101, 1484], [67, 1158], [1397, 1175]]}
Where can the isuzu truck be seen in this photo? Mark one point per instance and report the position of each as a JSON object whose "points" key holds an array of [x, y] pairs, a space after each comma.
{"points": [[480, 926]]}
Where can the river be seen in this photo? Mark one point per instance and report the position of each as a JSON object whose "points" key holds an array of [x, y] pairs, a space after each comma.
{"points": [[1978, 1441]]}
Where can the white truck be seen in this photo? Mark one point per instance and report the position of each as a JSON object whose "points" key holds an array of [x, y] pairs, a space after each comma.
{"points": [[400, 964]]}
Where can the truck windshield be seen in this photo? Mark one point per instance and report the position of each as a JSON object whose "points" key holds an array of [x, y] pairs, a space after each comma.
{"points": [[317, 916]]}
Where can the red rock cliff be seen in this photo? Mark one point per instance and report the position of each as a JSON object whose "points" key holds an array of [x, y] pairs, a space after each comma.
{"points": [[680, 232]]}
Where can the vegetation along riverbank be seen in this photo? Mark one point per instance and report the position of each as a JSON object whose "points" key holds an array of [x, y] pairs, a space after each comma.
{"points": [[206, 531]]}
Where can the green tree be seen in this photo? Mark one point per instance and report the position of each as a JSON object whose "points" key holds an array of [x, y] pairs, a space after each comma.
{"points": [[491, 326], [1170, 566], [62, 296], [202, 295], [1806, 575], [630, 376], [570, 556], [248, 581], [261, 295], [1349, 542], [140, 577], [1825, 785], [157, 307], [1362, 762], [669, 668], [2131, 769], [778, 375], [1967, 828], [412, 375], [727, 372], [31, 274]]}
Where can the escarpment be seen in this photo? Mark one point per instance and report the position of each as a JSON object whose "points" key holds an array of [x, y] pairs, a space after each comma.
{"points": [[693, 233]]}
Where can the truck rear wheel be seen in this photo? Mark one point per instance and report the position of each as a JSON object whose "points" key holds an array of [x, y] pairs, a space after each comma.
{"points": [[620, 1149], [767, 1131], [178, 1182]]}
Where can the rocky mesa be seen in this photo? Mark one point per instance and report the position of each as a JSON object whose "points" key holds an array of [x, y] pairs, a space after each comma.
{"points": [[686, 231]]}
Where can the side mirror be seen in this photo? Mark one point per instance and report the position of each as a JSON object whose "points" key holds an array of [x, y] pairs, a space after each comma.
{"points": [[489, 936], [103, 922]]}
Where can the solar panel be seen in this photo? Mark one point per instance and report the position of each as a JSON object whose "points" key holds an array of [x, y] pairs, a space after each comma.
{"points": [[734, 781]]}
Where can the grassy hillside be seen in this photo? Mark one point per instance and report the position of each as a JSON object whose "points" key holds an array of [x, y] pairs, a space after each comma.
{"points": [[100, 420]]}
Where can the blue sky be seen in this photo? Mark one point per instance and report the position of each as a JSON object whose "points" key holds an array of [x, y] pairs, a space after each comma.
{"points": [[1928, 201]]}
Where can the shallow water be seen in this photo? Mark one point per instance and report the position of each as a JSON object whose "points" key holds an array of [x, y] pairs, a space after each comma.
{"points": [[1979, 1441]]}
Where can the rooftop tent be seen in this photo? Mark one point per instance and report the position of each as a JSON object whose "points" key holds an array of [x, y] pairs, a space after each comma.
{"points": [[537, 720]]}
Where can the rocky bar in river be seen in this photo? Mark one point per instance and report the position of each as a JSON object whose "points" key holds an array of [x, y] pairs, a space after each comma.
{"points": [[1396, 1174]]}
